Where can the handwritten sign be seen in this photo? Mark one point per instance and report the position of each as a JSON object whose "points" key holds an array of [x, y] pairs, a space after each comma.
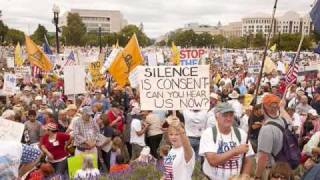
{"points": [[22, 71], [10, 130], [98, 79], [10, 82], [174, 87]]}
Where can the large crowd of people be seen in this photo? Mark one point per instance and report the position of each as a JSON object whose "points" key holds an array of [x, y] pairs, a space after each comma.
{"points": [[273, 136]]}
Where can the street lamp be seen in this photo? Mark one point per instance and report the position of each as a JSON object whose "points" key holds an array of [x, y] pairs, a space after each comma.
{"points": [[100, 38], [56, 11]]}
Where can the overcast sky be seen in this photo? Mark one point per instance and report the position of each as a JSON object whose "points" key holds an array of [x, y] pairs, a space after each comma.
{"points": [[158, 16]]}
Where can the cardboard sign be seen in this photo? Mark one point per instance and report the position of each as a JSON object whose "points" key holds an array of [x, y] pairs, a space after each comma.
{"points": [[191, 56], [98, 79], [74, 80], [22, 72], [10, 130], [75, 163], [174, 87], [10, 84]]}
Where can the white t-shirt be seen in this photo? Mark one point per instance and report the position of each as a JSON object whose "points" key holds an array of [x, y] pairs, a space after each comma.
{"points": [[176, 166], [93, 174], [134, 138], [211, 118], [195, 122], [223, 143]]}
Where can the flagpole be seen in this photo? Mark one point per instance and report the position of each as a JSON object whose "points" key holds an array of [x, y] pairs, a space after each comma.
{"points": [[261, 71], [265, 51]]}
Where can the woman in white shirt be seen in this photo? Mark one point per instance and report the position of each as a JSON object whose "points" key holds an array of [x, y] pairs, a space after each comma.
{"points": [[180, 161]]}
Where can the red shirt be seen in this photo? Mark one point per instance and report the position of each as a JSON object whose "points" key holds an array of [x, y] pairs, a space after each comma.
{"points": [[56, 148], [112, 117]]}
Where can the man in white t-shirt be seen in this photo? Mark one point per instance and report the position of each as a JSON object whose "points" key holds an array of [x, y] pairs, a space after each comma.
{"points": [[223, 146], [195, 123], [137, 133]]}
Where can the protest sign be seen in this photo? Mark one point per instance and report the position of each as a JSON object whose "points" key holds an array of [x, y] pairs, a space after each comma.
{"points": [[74, 80], [97, 78], [22, 71], [152, 58], [174, 87], [75, 163], [10, 62], [191, 56], [10, 82], [134, 77], [160, 57], [10, 130]]}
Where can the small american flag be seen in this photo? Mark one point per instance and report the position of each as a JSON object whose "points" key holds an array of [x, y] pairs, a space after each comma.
{"points": [[292, 73], [36, 71], [70, 60]]}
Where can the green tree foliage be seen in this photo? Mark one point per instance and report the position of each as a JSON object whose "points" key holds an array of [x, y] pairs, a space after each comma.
{"points": [[3, 31], [75, 31], [38, 35], [126, 33], [14, 36], [219, 41], [259, 41], [237, 42], [290, 42]]}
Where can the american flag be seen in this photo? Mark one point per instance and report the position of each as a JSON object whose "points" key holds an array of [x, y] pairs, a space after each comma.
{"points": [[70, 60], [35, 71], [292, 73]]}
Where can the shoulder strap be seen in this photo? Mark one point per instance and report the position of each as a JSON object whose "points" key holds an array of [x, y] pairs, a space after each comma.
{"points": [[275, 124], [214, 133], [237, 132], [235, 129]]}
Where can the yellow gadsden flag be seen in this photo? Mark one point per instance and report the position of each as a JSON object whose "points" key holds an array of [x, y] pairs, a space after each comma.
{"points": [[126, 60], [36, 56], [17, 56], [175, 57]]}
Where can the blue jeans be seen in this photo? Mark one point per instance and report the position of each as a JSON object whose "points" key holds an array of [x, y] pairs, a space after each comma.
{"points": [[195, 143]]}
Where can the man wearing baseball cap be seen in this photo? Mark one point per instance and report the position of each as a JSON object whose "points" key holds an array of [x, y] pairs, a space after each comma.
{"points": [[223, 146], [85, 132]]}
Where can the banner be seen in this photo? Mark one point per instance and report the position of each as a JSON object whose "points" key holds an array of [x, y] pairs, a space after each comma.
{"points": [[191, 56], [174, 87], [10, 84], [10, 130], [74, 80], [75, 163]]}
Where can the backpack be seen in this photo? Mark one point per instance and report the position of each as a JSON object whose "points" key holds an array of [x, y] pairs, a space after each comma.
{"points": [[235, 129], [290, 151]]}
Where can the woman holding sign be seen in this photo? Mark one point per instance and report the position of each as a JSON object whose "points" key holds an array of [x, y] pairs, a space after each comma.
{"points": [[179, 163]]}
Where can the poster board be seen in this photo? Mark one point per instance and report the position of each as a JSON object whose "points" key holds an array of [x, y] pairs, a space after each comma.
{"points": [[74, 80], [10, 84], [174, 87], [10, 130]]}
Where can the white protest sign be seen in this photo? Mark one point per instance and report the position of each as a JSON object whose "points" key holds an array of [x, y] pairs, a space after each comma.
{"points": [[152, 58], [22, 71], [160, 57], [74, 80], [10, 82], [134, 77], [174, 87], [10, 62], [191, 56], [10, 130]]}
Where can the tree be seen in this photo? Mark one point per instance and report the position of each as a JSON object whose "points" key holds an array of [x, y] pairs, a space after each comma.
{"points": [[290, 42], [259, 41], [38, 35], [75, 30], [219, 40], [3, 31], [237, 42], [14, 36], [204, 40], [126, 33]]}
